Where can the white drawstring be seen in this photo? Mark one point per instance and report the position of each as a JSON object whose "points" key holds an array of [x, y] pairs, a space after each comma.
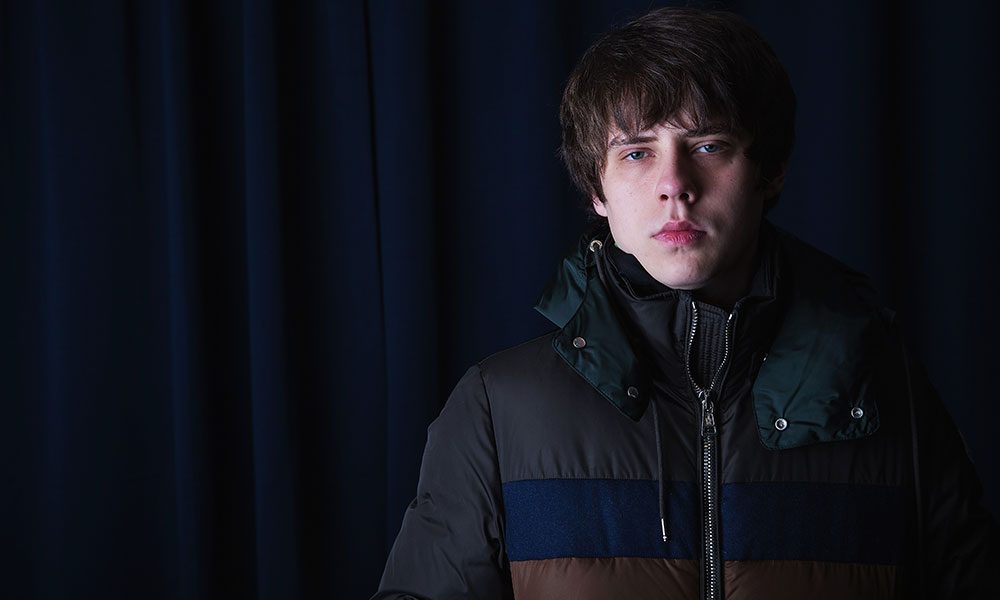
{"points": [[659, 470]]}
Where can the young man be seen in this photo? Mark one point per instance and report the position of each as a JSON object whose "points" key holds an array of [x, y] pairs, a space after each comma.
{"points": [[724, 411]]}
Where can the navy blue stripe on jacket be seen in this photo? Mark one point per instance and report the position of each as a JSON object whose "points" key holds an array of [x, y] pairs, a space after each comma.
{"points": [[549, 518]]}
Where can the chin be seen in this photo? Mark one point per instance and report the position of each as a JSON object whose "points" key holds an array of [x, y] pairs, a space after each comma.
{"points": [[678, 276], [679, 282], [677, 272]]}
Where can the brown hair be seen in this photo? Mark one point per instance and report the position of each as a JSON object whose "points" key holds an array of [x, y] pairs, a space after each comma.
{"points": [[711, 66]]}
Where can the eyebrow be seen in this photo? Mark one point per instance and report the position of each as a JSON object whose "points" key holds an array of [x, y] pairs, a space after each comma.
{"points": [[639, 139], [709, 129], [645, 139]]}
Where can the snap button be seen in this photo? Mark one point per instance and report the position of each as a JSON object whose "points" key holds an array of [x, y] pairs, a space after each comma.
{"points": [[595, 245], [780, 424], [633, 392], [765, 359], [579, 342], [857, 413]]}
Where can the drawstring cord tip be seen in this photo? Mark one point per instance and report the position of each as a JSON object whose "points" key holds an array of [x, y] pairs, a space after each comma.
{"points": [[663, 528]]}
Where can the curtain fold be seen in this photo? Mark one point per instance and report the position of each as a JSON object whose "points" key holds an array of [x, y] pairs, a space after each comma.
{"points": [[249, 246]]}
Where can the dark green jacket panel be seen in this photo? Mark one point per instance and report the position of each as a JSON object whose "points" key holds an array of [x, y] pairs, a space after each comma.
{"points": [[826, 360], [880, 458]]}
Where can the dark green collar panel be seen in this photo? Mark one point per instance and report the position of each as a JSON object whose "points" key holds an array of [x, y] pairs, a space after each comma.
{"points": [[820, 382], [599, 351], [565, 293], [591, 340]]}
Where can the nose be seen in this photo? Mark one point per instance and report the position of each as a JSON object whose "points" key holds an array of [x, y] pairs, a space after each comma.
{"points": [[676, 180]]}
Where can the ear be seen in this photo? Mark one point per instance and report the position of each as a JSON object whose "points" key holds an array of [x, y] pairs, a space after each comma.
{"points": [[776, 184], [599, 206]]}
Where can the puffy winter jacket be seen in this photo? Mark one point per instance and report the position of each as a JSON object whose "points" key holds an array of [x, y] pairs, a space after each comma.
{"points": [[582, 464]]}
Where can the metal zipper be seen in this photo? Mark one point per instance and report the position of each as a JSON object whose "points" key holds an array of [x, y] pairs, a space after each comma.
{"points": [[711, 557]]}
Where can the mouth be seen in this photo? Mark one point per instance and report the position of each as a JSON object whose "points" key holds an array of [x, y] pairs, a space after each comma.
{"points": [[679, 233]]}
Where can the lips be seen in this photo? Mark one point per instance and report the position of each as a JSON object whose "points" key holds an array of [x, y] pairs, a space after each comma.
{"points": [[679, 233]]}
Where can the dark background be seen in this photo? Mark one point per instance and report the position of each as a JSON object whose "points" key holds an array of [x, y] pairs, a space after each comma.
{"points": [[248, 247]]}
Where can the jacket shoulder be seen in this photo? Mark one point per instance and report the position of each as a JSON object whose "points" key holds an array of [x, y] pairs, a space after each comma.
{"points": [[532, 382], [515, 356], [521, 368]]}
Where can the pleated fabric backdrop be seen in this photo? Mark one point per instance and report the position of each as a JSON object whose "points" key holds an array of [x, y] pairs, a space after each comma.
{"points": [[248, 247]]}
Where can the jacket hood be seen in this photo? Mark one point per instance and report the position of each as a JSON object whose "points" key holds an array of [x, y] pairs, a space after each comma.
{"points": [[821, 363]]}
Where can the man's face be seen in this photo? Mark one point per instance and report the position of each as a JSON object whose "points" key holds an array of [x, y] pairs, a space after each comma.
{"points": [[688, 206]]}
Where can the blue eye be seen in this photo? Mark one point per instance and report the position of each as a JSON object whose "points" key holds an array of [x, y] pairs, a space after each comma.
{"points": [[636, 155], [709, 148]]}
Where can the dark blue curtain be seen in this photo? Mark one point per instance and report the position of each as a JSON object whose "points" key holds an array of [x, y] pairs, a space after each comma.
{"points": [[248, 247]]}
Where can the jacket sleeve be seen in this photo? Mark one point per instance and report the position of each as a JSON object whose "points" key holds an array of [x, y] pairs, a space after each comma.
{"points": [[960, 543], [450, 544]]}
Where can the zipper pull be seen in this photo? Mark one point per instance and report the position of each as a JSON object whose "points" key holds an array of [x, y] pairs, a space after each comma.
{"points": [[707, 412]]}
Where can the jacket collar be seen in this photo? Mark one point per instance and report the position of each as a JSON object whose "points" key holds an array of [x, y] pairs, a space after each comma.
{"points": [[820, 350], [590, 340]]}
